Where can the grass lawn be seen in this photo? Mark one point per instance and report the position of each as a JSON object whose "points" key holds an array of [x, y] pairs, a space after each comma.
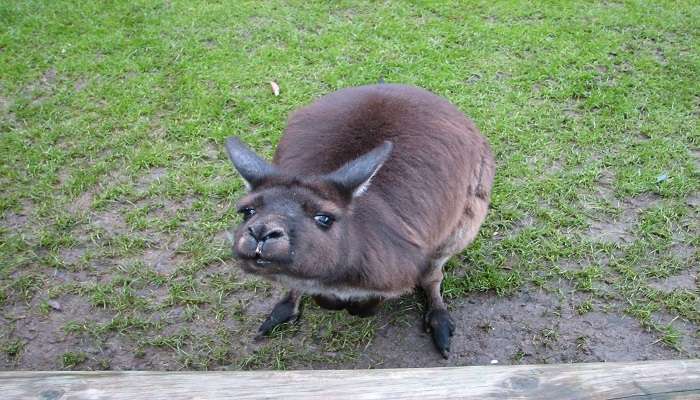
{"points": [[117, 193]]}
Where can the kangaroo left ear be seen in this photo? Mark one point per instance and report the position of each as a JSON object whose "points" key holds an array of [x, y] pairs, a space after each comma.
{"points": [[252, 168], [355, 177]]}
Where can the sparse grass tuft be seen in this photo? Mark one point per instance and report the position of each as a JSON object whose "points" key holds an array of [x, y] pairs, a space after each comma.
{"points": [[73, 359], [13, 349]]}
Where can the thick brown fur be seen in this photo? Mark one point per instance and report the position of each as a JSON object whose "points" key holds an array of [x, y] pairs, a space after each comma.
{"points": [[439, 164], [424, 204]]}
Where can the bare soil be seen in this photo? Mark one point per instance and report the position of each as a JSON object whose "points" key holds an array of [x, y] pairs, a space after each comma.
{"points": [[529, 327], [532, 325]]}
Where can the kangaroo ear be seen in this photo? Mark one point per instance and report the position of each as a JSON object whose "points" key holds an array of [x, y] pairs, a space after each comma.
{"points": [[356, 176], [252, 168]]}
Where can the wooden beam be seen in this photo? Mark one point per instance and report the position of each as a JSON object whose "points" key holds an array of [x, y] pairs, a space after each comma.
{"points": [[678, 379]]}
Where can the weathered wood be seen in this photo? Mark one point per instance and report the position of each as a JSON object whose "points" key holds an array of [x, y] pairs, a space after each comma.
{"points": [[679, 379]]}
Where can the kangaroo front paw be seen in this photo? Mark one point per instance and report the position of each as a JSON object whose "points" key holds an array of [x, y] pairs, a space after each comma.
{"points": [[284, 311], [439, 323]]}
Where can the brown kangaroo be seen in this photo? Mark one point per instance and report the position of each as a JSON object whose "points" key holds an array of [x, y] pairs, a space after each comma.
{"points": [[371, 190]]}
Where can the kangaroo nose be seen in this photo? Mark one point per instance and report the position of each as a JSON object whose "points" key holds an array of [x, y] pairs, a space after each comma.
{"points": [[262, 232]]}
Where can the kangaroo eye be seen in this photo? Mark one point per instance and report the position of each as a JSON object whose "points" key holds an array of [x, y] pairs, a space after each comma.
{"points": [[324, 221], [247, 212]]}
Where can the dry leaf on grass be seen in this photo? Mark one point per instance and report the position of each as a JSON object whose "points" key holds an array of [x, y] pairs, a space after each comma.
{"points": [[275, 88]]}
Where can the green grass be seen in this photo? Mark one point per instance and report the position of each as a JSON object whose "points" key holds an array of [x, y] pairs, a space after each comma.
{"points": [[116, 191], [72, 360]]}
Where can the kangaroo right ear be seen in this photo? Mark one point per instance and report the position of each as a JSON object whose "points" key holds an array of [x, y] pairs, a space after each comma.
{"points": [[354, 177], [252, 168]]}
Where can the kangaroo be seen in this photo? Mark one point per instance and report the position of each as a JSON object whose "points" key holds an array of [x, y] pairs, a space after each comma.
{"points": [[371, 190]]}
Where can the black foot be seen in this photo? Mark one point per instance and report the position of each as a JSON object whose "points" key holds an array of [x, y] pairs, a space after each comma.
{"points": [[360, 308], [439, 323], [329, 302], [284, 311], [364, 308]]}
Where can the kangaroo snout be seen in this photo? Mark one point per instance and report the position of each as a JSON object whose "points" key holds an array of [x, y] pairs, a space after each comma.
{"points": [[264, 232], [263, 241]]}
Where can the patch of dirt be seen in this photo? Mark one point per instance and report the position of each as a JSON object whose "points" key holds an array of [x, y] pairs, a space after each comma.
{"points": [[683, 252], [688, 280], [151, 176], [81, 204], [473, 78], [111, 221], [502, 76], [17, 220], [694, 200], [615, 231], [168, 208], [44, 339], [618, 230], [615, 4], [4, 104], [623, 67], [8, 117], [211, 151], [687, 341], [209, 43], [605, 185], [49, 77], [515, 228], [162, 260], [72, 255], [660, 56], [80, 84], [530, 326], [572, 110], [40, 90]]}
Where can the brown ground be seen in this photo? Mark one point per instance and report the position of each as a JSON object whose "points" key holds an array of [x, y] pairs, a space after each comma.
{"points": [[529, 327], [532, 325]]}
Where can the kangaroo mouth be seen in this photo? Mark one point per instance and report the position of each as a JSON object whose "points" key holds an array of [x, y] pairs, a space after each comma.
{"points": [[262, 261], [253, 258], [260, 265], [257, 260]]}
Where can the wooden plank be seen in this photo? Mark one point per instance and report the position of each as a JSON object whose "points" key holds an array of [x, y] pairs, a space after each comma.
{"points": [[678, 379]]}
